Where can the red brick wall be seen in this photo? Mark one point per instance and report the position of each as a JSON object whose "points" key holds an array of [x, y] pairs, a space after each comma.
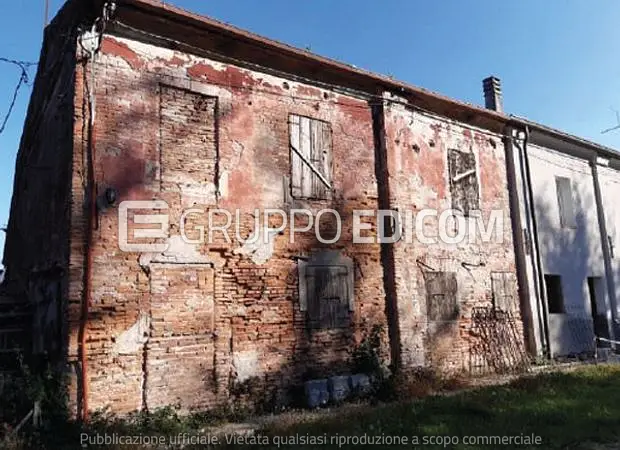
{"points": [[212, 316], [417, 146], [208, 325]]}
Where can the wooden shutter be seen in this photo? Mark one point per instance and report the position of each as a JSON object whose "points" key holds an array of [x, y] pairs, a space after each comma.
{"points": [[565, 202], [503, 289], [463, 181], [328, 296], [441, 296], [311, 157]]}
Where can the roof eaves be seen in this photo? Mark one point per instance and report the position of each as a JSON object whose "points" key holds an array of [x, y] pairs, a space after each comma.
{"points": [[419, 97], [424, 96], [567, 137]]}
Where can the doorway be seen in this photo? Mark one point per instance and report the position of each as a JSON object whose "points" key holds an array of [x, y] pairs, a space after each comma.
{"points": [[596, 290]]}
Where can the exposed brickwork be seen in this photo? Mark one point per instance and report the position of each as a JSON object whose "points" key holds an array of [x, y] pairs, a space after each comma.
{"points": [[179, 355], [158, 133], [222, 321], [417, 153], [187, 142]]}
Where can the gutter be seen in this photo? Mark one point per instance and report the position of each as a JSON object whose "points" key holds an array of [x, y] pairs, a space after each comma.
{"points": [[610, 298], [91, 46], [538, 266], [520, 243], [539, 281], [601, 150], [89, 241], [203, 33]]}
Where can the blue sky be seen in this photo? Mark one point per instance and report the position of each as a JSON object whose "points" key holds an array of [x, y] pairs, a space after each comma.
{"points": [[558, 60]]}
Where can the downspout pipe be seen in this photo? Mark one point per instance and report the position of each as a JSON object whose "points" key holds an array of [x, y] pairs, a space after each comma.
{"points": [[543, 304], [91, 222], [88, 269], [520, 244], [610, 299], [96, 34]]}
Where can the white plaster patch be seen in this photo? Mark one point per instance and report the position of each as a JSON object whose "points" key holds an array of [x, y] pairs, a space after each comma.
{"points": [[131, 340], [223, 184], [151, 51], [193, 191], [123, 102], [246, 365], [199, 302], [179, 252], [239, 310], [260, 249], [270, 316], [197, 193], [238, 148]]}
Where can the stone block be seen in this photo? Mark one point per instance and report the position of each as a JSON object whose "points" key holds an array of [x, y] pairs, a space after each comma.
{"points": [[339, 388], [360, 383], [317, 393]]}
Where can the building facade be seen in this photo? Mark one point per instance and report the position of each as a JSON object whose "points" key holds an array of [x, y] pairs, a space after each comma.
{"points": [[568, 236], [212, 126]]}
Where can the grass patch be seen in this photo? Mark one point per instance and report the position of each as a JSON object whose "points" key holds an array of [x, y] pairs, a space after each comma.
{"points": [[566, 410], [575, 410]]}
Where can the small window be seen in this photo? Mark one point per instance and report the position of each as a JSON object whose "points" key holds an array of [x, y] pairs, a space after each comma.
{"points": [[326, 284], [311, 158], [463, 181], [441, 296], [555, 297], [566, 202], [503, 289]]}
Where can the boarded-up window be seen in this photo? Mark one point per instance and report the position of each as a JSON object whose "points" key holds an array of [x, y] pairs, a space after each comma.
{"points": [[566, 204], [328, 297], [503, 290], [311, 158], [188, 144], [463, 181], [326, 284], [441, 296]]}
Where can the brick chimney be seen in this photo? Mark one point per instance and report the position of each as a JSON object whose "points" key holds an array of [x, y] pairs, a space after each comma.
{"points": [[493, 94]]}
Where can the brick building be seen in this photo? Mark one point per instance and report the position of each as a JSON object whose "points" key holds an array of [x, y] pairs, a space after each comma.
{"points": [[135, 100]]}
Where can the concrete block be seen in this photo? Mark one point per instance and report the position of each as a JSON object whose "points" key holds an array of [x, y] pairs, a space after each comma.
{"points": [[339, 388], [246, 365], [317, 393], [360, 383]]}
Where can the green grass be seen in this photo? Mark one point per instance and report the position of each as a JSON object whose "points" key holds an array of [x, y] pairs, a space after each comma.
{"points": [[566, 410]]}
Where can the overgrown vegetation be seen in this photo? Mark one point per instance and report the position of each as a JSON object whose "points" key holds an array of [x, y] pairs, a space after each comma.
{"points": [[35, 382], [579, 409], [368, 357]]}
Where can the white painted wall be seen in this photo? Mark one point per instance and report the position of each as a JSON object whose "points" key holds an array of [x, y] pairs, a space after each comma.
{"points": [[574, 254], [609, 180]]}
